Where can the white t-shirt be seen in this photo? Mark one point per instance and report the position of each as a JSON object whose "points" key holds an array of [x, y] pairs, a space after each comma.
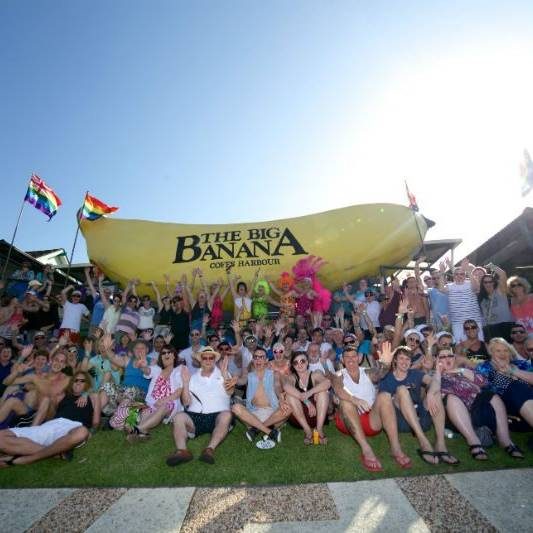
{"points": [[210, 391], [186, 355], [72, 314], [110, 319], [372, 310], [313, 367], [175, 383], [364, 390], [146, 318]]}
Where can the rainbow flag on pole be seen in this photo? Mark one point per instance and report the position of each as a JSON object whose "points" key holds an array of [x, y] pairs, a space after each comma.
{"points": [[93, 208], [42, 197]]}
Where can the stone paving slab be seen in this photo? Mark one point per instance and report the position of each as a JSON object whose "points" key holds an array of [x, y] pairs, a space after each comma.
{"points": [[19, 509], [142, 510], [504, 497], [361, 506]]}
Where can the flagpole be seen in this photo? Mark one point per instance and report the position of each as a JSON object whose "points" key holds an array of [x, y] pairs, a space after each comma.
{"points": [[13, 240], [78, 218]]}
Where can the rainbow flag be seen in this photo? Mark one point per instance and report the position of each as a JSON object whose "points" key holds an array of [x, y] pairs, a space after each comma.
{"points": [[42, 197], [93, 208]]}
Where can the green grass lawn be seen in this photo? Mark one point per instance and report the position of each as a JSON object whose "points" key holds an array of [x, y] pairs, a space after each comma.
{"points": [[109, 461]]}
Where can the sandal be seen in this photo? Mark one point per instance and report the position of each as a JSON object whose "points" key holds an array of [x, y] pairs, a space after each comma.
{"points": [[371, 465], [425, 454], [402, 460], [322, 439], [446, 458], [308, 440], [514, 451], [477, 455], [5, 463]]}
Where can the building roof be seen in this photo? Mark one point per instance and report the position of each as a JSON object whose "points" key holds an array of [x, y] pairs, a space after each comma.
{"points": [[511, 248]]}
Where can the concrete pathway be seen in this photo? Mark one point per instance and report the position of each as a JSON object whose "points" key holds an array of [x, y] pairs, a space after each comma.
{"points": [[484, 501]]}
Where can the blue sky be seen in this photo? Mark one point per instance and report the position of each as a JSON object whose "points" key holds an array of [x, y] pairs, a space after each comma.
{"points": [[241, 111]]}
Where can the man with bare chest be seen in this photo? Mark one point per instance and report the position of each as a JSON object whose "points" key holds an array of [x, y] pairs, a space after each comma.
{"points": [[266, 408], [50, 387]]}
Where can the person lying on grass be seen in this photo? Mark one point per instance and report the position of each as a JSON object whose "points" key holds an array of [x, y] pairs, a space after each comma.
{"points": [[206, 396], [266, 407], [402, 387], [469, 406], [75, 414], [361, 413], [307, 395]]}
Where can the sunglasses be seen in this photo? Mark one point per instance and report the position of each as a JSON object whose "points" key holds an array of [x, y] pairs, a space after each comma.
{"points": [[279, 351], [166, 352], [300, 362], [79, 381], [208, 358], [195, 334], [470, 328], [450, 356]]}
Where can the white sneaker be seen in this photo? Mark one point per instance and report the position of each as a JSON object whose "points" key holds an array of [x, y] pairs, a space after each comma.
{"points": [[265, 443]]}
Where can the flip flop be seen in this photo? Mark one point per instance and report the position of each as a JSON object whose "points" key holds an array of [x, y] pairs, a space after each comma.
{"points": [[446, 458], [402, 460], [423, 454], [371, 465]]}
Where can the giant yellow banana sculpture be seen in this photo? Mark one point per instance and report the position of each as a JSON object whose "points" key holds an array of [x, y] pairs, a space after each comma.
{"points": [[354, 241]]}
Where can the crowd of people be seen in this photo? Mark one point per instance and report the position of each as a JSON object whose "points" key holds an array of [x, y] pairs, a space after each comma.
{"points": [[449, 348]]}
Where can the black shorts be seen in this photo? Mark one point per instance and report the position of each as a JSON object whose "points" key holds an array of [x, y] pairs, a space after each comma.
{"points": [[203, 423], [482, 413], [516, 395], [423, 416]]}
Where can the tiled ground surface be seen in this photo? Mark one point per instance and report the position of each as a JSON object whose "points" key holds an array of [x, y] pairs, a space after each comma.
{"points": [[486, 501]]}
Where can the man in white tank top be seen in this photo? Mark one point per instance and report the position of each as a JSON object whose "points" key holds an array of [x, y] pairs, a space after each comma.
{"points": [[360, 412]]}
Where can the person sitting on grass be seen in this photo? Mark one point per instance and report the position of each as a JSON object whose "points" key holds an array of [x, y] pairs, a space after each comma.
{"points": [[75, 414], [469, 406], [50, 387], [206, 395], [19, 402], [402, 387], [307, 395], [360, 413], [266, 408], [164, 393], [511, 378]]}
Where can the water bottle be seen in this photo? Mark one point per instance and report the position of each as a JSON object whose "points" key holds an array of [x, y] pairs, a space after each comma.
{"points": [[449, 434], [316, 437]]}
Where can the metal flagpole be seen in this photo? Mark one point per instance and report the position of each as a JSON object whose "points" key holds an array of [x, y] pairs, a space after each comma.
{"points": [[13, 240], [78, 219]]}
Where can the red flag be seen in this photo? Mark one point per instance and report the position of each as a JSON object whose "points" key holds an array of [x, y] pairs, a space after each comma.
{"points": [[411, 198]]}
